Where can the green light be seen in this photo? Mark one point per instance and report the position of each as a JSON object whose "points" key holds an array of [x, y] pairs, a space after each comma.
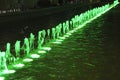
{"points": [[20, 65], [35, 56], [27, 60], [8, 53], [41, 51]]}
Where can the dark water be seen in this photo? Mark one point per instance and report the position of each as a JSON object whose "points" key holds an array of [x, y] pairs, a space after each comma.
{"points": [[91, 53]]}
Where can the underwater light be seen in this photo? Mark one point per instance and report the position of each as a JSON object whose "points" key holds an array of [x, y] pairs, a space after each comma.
{"points": [[35, 56], [19, 65], [27, 60], [46, 48], [57, 42], [42, 51], [8, 71], [2, 78]]}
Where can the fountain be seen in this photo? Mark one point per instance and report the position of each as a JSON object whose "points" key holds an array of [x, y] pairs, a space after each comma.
{"points": [[3, 64], [32, 39], [48, 33], [53, 33], [17, 49], [58, 34], [40, 40], [8, 54], [27, 60], [43, 33], [64, 27], [26, 46]]}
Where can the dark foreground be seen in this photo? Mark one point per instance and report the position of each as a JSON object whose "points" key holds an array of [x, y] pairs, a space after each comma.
{"points": [[91, 53]]}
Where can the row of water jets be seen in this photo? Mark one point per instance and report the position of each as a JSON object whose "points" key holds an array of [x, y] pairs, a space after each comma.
{"points": [[58, 33]]}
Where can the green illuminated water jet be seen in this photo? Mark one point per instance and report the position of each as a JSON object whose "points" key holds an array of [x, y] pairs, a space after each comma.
{"points": [[17, 49], [48, 33], [40, 40], [56, 34], [32, 39], [53, 33], [26, 46], [3, 64], [8, 54]]}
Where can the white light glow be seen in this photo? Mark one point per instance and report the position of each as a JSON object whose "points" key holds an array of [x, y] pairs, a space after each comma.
{"points": [[19, 65], [41, 51], [35, 56], [27, 60], [46, 48], [2, 78], [8, 71]]}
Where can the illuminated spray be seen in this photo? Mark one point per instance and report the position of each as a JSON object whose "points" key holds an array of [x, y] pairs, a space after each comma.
{"points": [[40, 40], [69, 26], [3, 64], [32, 41], [26, 46], [17, 49]]}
